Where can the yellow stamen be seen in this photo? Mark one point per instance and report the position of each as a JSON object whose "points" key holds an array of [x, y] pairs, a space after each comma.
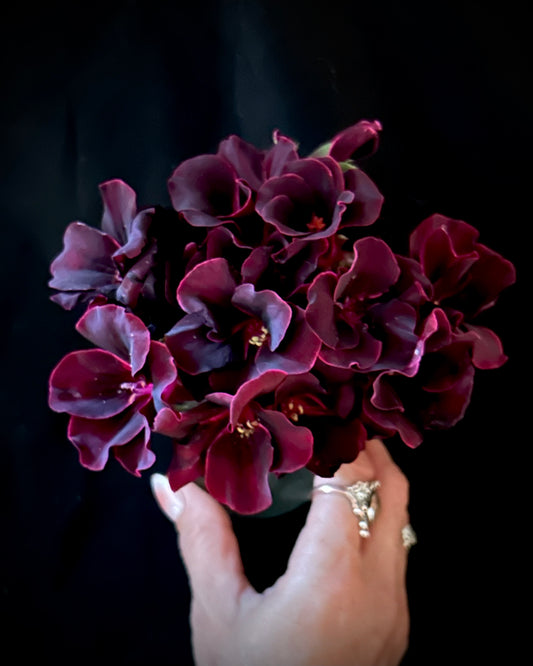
{"points": [[246, 429], [259, 339], [293, 411]]}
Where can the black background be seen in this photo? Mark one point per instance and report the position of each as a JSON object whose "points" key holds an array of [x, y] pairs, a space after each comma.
{"points": [[128, 90]]}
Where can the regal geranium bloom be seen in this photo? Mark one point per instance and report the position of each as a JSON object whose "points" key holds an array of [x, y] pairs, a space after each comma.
{"points": [[110, 392], [207, 191], [218, 242], [465, 275], [358, 327], [338, 436], [437, 396], [231, 324], [235, 443], [255, 166], [367, 202], [307, 200], [246, 160], [284, 264], [112, 262]]}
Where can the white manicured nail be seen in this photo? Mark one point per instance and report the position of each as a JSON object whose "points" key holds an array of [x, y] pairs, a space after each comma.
{"points": [[170, 502]]}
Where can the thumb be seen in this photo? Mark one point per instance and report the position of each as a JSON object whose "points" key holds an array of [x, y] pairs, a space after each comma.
{"points": [[207, 543]]}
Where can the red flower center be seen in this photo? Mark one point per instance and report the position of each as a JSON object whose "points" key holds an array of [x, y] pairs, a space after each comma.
{"points": [[316, 224]]}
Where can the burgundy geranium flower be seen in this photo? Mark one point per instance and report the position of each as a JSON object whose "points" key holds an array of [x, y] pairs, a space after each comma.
{"points": [[307, 200], [438, 395], [112, 262], [286, 265], [255, 166], [465, 275], [235, 443], [358, 326], [207, 191], [232, 325], [338, 436], [108, 392]]}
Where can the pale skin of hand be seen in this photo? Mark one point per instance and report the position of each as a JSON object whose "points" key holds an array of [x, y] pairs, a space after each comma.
{"points": [[342, 600]]}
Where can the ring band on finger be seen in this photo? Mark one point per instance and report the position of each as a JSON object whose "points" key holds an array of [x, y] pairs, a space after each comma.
{"points": [[363, 498]]}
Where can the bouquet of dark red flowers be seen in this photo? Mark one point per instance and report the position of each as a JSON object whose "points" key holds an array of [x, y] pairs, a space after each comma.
{"points": [[256, 325]]}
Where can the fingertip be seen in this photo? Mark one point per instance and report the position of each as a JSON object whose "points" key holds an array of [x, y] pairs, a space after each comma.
{"points": [[171, 503]]}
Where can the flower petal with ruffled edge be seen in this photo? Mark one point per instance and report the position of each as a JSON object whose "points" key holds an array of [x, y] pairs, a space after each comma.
{"points": [[207, 289], [336, 442], [85, 267], [120, 208], [126, 434], [245, 158], [488, 352], [437, 396], [191, 349], [268, 307], [465, 274], [207, 191], [189, 446], [356, 329], [367, 203], [305, 201], [296, 353], [237, 468], [116, 330], [94, 384], [293, 444]]}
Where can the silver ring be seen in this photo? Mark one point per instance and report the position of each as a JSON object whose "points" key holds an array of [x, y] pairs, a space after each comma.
{"points": [[363, 499], [408, 537]]}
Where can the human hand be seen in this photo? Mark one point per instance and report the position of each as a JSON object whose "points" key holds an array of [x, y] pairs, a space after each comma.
{"points": [[341, 601]]}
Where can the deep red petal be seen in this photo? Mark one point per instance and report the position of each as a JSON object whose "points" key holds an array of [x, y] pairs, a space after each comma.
{"points": [[86, 261], [210, 283], [488, 351], [93, 384], [120, 207], [112, 328], [95, 438], [293, 445], [237, 468]]}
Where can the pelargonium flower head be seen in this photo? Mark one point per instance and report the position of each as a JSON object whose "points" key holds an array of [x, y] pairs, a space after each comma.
{"points": [[465, 275], [246, 160], [255, 166], [338, 436], [285, 264], [109, 392], [359, 327], [231, 324], [307, 200], [235, 442], [437, 397], [207, 191], [112, 262]]}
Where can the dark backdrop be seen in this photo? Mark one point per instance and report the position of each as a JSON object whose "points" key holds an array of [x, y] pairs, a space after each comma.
{"points": [[128, 90]]}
